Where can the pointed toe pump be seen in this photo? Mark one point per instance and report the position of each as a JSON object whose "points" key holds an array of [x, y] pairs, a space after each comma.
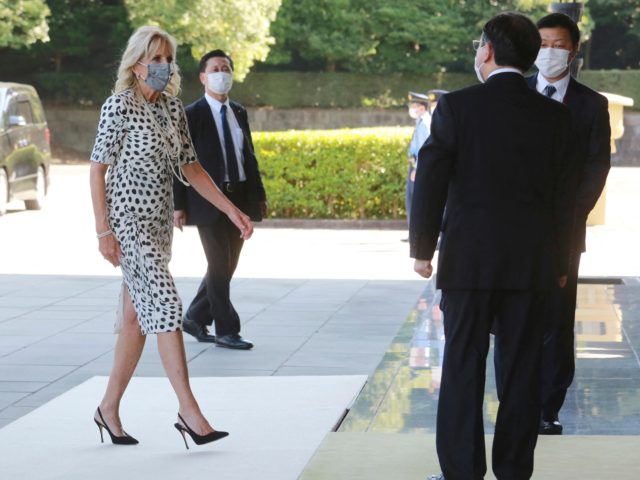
{"points": [[197, 439], [126, 439]]}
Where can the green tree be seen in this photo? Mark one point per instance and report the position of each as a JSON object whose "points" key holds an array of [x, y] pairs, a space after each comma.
{"points": [[86, 34], [381, 36], [615, 41], [22, 22], [323, 34], [240, 27]]}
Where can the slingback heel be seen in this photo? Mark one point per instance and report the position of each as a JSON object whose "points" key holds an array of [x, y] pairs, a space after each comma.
{"points": [[126, 439], [197, 439]]}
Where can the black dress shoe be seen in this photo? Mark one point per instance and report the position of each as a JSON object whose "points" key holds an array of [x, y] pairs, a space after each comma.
{"points": [[198, 331], [234, 341], [550, 427]]}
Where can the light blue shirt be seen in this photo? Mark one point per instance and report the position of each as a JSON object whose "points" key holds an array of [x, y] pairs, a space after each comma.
{"points": [[420, 135]]}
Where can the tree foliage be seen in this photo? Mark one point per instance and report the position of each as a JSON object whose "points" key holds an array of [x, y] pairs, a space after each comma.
{"points": [[22, 22], [615, 41], [90, 33], [240, 27], [382, 36]]}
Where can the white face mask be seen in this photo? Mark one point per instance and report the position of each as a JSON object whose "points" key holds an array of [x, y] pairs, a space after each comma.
{"points": [[552, 62], [477, 67], [478, 74], [413, 113], [220, 82]]}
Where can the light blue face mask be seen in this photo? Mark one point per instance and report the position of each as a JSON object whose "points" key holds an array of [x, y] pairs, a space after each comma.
{"points": [[158, 75]]}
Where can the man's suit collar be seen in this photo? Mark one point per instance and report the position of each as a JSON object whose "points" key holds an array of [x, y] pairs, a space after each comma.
{"points": [[572, 99], [214, 103], [506, 78]]}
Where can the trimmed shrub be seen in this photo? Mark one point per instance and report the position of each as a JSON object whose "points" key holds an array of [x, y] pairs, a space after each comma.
{"points": [[337, 174]]}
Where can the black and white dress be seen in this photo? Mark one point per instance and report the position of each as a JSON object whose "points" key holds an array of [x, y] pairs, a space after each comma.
{"points": [[144, 144]]}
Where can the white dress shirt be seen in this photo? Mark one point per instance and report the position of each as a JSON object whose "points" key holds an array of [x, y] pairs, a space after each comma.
{"points": [[236, 134], [561, 86]]}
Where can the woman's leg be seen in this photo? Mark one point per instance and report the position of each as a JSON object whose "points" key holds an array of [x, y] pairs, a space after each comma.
{"points": [[127, 354], [174, 360]]}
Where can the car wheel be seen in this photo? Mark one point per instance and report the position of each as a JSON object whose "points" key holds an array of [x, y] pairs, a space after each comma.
{"points": [[4, 191], [41, 190]]}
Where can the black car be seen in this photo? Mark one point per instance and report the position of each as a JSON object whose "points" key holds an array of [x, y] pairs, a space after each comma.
{"points": [[25, 151]]}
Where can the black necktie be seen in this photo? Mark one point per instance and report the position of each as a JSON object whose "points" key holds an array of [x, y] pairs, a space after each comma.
{"points": [[549, 90], [232, 161]]}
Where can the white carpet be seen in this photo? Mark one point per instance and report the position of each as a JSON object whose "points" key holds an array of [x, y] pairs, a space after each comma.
{"points": [[275, 425]]}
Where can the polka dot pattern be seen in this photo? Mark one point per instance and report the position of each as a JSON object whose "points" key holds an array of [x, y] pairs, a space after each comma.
{"points": [[132, 139]]}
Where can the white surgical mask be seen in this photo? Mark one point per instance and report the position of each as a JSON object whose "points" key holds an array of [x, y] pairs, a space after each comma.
{"points": [[477, 69], [552, 61], [413, 113], [220, 82]]}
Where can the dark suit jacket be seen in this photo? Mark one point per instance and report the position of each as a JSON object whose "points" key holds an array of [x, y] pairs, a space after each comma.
{"points": [[497, 156], [209, 150], [592, 133]]}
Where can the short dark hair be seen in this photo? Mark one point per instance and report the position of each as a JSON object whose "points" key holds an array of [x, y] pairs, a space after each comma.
{"points": [[202, 66], [560, 20], [514, 38]]}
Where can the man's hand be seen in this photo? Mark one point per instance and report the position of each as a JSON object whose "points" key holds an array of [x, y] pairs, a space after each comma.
{"points": [[423, 268], [562, 281], [179, 218]]}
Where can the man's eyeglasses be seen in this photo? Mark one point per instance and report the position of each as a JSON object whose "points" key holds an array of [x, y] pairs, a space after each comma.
{"points": [[477, 44]]}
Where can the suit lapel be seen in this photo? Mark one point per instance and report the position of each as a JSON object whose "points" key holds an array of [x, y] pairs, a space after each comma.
{"points": [[572, 98], [239, 114]]}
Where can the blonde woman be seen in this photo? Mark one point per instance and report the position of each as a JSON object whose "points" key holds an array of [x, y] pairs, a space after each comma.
{"points": [[142, 141]]}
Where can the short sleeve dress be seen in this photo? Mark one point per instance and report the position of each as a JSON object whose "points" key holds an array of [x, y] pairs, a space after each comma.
{"points": [[144, 144]]}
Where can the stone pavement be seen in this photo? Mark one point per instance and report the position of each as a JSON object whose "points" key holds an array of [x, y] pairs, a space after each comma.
{"points": [[55, 331]]}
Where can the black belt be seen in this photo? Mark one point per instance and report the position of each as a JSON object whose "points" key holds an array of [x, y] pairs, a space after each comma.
{"points": [[231, 187]]}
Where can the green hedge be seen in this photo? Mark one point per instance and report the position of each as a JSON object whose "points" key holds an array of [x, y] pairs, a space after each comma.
{"points": [[338, 174], [306, 90], [621, 82]]}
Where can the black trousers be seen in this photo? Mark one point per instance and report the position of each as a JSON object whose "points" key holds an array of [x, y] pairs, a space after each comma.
{"points": [[558, 350], [222, 246], [468, 318]]}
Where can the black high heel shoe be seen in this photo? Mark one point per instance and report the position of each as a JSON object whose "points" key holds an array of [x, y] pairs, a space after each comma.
{"points": [[124, 440], [197, 439]]}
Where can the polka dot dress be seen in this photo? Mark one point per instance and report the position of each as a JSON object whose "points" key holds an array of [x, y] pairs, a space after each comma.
{"points": [[144, 144]]}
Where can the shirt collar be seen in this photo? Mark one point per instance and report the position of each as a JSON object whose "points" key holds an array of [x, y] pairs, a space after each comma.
{"points": [[216, 105], [505, 70], [561, 85]]}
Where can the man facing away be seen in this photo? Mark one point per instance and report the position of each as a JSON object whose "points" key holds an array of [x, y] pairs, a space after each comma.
{"points": [[497, 156], [592, 135], [222, 139]]}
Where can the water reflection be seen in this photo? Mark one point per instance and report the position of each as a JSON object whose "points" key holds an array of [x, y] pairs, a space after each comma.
{"points": [[402, 395]]}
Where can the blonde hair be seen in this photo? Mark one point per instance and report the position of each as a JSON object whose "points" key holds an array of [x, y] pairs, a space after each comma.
{"points": [[145, 42]]}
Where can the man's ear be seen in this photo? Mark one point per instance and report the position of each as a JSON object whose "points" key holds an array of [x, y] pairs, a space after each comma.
{"points": [[203, 78], [574, 53], [487, 54]]}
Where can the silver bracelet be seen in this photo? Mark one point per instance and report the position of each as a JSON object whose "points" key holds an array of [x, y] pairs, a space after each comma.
{"points": [[104, 234]]}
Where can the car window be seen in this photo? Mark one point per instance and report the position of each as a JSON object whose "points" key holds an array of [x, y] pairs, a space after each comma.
{"points": [[24, 110], [12, 109], [36, 110]]}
